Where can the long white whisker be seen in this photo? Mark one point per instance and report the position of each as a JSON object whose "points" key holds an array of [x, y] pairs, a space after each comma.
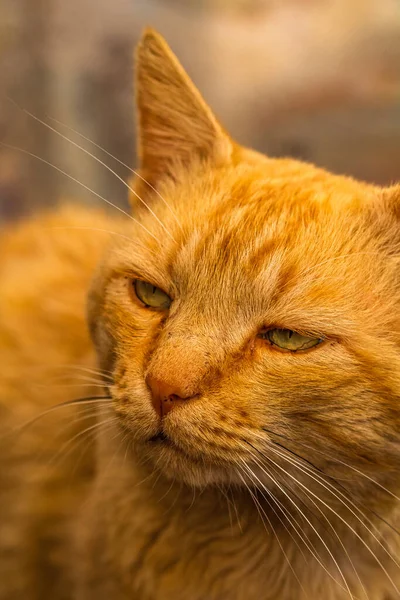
{"points": [[292, 521], [80, 434], [69, 385], [236, 511], [339, 517], [80, 377], [338, 538], [136, 173], [346, 588], [328, 488], [326, 455], [86, 445], [77, 380], [314, 470], [260, 508], [123, 439], [228, 503], [86, 412], [92, 400], [46, 162], [98, 160], [345, 499], [107, 374], [125, 237], [166, 493], [76, 367]]}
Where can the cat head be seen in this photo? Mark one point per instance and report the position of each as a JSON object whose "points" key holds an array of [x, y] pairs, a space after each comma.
{"points": [[250, 310]]}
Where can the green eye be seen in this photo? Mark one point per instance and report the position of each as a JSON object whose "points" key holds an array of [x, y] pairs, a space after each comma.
{"points": [[151, 295], [286, 339]]}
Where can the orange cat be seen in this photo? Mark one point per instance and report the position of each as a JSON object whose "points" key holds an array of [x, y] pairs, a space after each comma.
{"points": [[246, 392]]}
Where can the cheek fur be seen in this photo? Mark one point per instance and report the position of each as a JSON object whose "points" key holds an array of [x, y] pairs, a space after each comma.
{"points": [[320, 403]]}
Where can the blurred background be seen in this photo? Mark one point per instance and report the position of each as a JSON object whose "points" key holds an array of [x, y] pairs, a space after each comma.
{"points": [[313, 79]]}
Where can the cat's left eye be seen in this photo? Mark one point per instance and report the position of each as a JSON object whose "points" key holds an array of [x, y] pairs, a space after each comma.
{"points": [[286, 339], [150, 295]]}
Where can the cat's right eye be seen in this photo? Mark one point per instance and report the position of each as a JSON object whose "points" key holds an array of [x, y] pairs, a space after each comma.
{"points": [[289, 340], [150, 295]]}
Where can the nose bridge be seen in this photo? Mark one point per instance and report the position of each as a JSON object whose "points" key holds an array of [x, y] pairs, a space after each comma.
{"points": [[185, 359]]}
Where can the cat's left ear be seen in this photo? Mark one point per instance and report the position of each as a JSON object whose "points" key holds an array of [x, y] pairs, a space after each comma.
{"points": [[175, 125]]}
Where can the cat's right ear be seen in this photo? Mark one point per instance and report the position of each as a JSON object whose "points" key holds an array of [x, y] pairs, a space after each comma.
{"points": [[175, 125]]}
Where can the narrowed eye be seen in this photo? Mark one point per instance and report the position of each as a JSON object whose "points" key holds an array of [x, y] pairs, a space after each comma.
{"points": [[286, 339], [151, 295]]}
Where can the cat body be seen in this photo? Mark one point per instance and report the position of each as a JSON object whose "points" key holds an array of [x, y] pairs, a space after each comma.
{"points": [[226, 463]]}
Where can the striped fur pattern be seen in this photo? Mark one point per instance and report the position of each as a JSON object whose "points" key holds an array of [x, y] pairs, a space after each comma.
{"points": [[280, 479]]}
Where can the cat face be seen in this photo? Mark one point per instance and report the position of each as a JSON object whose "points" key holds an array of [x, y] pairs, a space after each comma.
{"points": [[250, 313]]}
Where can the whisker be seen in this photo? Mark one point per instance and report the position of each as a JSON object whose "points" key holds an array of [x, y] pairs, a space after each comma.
{"points": [[85, 414], [346, 588], [78, 461], [341, 544], [334, 512], [78, 379], [136, 173], [89, 378], [326, 455], [325, 486], [166, 493], [335, 533], [261, 512], [87, 369], [337, 484], [98, 160], [236, 511], [159, 474], [299, 499], [69, 367], [87, 400], [109, 421], [171, 506], [64, 381], [193, 500], [123, 439], [68, 385], [125, 237], [128, 445], [222, 492], [284, 511], [46, 162]]}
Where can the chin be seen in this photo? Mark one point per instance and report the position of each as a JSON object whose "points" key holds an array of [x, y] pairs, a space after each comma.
{"points": [[194, 469]]}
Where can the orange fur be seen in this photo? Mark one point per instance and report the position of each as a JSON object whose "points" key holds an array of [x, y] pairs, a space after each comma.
{"points": [[304, 443]]}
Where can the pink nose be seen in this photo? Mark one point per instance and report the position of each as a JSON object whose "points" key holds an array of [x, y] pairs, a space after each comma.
{"points": [[166, 396]]}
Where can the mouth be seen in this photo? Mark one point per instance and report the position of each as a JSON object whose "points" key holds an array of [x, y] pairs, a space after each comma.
{"points": [[186, 463], [159, 437], [162, 440]]}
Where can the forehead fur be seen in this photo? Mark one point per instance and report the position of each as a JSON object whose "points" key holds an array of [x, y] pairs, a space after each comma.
{"points": [[276, 240], [235, 236]]}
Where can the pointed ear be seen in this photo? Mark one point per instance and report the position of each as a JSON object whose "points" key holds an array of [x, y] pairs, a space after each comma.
{"points": [[175, 124]]}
